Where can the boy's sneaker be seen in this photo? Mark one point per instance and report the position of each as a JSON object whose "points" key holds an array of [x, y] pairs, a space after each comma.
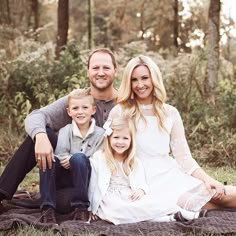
{"points": [[80, 214], [48, 216]]}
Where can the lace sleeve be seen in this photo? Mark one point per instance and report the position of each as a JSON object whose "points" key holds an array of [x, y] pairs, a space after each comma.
{"points": [[179, 145], [115, 111]]}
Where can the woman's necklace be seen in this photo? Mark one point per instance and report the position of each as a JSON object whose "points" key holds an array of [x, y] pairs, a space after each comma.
{"points": [[147, 107]]}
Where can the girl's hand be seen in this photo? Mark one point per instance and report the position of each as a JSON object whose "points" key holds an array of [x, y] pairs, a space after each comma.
{"points": [[218, 187], [137, 194], [65, 163]]}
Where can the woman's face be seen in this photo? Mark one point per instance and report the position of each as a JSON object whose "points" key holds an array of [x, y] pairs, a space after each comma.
{"points": [[141, 84]]}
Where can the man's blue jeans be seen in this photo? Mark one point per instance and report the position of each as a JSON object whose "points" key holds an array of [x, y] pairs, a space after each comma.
{"points": [[77, 178]]}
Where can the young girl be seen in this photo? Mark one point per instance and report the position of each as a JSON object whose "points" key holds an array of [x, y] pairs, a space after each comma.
{"points": [[118, 189]]}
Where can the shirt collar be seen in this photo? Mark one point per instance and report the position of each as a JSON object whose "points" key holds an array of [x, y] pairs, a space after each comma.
{"points": [[76, 131]]}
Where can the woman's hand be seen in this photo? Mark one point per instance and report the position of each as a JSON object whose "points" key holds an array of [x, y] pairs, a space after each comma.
{"points": [[210, 183], [218, 187], [139, 193]]}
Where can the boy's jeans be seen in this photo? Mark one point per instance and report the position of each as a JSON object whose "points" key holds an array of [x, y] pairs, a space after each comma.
{"points": [[77, 178]]}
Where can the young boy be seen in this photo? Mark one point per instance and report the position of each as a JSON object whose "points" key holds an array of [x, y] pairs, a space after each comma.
{"points": [[76, 143]]}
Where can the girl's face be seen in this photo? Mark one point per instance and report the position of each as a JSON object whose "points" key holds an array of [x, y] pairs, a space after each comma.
{"points": [[120, 141], [141, 84]]}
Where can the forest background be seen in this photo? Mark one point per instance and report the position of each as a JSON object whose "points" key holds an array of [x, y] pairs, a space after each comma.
{"points": [[44, 45]]}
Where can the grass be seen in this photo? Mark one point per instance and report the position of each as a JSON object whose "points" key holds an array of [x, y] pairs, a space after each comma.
{"points": [[222, 174]]}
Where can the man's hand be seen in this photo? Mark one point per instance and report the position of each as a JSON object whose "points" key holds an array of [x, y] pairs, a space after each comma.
{"points": [[43, 151]]}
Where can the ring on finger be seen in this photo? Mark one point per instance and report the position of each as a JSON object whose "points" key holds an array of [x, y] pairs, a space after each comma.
{"points": [[39, 158]]}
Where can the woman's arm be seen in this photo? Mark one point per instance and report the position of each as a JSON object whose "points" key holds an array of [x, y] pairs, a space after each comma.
{"points": [[182, 154], [210, 183], [179, 145]]}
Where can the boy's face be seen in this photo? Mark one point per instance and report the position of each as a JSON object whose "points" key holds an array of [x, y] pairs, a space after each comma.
{"points": [[81, 110]]}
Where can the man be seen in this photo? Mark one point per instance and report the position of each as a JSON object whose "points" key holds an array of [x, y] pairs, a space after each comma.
{"points": [[42, 124]]}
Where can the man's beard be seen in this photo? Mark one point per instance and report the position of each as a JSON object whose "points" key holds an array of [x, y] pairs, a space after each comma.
{"points": [[104, 87]]}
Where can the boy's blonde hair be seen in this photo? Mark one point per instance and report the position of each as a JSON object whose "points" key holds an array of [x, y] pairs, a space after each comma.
{"points": [[118, 123], [81, 93]]}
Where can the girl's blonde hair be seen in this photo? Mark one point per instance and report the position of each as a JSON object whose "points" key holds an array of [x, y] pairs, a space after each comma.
{"points": [[80, 93], [126, 96], [119, 123]]}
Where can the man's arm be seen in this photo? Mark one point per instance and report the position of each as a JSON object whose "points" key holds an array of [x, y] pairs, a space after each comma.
{"points": [[54, 116]]}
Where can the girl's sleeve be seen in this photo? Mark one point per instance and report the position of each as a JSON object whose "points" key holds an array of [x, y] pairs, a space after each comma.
{"points": [[93, 180], [179, 145]]}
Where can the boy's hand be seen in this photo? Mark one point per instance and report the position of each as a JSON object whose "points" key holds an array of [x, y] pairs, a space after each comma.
{"points": [[65, 163], [137, 194]]}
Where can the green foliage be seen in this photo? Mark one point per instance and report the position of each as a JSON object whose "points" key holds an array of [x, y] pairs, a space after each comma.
{"points": [[34, 80], [210, 130]]}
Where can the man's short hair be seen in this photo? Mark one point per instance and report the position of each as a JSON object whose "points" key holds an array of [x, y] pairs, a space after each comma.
{"points": [[103, 50]]}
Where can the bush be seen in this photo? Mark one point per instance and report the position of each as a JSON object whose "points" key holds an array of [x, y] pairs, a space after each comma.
{"points": [[39, 80]]}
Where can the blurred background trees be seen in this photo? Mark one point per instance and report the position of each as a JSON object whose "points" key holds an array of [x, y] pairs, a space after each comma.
{"points": [[44, 46]]}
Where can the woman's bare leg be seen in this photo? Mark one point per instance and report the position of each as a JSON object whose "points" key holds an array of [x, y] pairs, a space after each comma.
{"points": [[228, 201]]}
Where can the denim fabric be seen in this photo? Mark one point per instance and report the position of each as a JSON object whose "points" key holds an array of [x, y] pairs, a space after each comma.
{"points": [[22, 162], [77, 178]]}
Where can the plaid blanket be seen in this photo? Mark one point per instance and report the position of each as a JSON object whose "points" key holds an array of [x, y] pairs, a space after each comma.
{"points": [[216, 222]]}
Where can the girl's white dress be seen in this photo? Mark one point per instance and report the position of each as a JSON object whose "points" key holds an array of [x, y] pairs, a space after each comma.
{"points": [[117, 207], [169, 178]]}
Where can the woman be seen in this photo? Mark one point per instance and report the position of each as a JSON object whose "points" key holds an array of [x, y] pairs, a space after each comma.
{"points": [[178, 181]]}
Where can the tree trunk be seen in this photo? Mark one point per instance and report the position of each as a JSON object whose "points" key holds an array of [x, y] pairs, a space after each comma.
{"points": [[176, 23], [35, 11], [62, 25], [8, 12], [90, 23], [213, 50]]}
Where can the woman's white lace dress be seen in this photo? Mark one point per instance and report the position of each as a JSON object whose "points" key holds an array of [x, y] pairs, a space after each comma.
{"points": [[169, 179]]}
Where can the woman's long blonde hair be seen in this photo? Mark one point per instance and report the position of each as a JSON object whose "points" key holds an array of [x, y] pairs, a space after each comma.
{"points": [[126, 97], [118, 123]]}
